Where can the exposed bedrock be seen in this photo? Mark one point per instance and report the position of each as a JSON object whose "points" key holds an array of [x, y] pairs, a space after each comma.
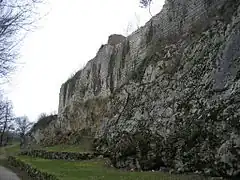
{"points": [[168, 95]]}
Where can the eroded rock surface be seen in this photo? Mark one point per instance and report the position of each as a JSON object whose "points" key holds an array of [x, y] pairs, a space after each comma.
{"points": [[166, 96]]}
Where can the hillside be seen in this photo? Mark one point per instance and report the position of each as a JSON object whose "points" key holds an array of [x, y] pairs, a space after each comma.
{"points": [[165, 96]]}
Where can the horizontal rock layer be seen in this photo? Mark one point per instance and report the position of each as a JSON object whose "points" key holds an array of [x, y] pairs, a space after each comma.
{"points": [[167, 95]]}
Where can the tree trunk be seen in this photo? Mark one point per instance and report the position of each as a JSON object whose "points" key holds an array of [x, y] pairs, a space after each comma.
{"points": [[3, 131], [5, 125]]}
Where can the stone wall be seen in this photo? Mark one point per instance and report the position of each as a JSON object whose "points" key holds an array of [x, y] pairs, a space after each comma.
{"points": [[70, 156], [31, 171]]}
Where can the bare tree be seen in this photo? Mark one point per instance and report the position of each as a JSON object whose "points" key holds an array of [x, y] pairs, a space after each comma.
{"points": [[128, 29], [23, 125], [137, 20], [6, 119], [132, 25], [9, 133], [146, 4], [16, 17]]}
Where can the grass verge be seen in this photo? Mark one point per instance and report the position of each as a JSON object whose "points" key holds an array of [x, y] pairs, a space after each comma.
{"points": [[9, 150], [12, 149], [96, 170]]}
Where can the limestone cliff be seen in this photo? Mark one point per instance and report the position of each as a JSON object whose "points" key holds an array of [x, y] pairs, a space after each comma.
{"points": [[168, 95]]}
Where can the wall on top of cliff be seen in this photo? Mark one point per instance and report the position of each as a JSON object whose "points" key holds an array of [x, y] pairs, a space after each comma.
{"points": [[115, 61], [178, 16]]}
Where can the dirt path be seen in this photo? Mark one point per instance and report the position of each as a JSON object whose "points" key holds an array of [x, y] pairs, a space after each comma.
{"points": [[6, 174]]}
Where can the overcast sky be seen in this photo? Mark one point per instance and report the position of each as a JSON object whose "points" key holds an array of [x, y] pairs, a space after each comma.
{"points": [[64, 41]]}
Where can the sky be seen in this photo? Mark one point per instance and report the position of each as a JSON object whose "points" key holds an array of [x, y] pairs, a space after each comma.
{"points": [[66, 38]]}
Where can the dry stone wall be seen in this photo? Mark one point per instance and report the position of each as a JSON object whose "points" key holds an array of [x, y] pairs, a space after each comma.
{"points": [[31, 171], [69, 156]]}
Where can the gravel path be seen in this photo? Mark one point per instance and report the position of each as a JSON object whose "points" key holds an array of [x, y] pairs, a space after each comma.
{"points": [[6, 174]]}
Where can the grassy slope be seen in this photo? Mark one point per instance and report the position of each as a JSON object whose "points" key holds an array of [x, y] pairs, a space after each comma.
{"points": [[13, 149], [95, 170], [10, 150]]}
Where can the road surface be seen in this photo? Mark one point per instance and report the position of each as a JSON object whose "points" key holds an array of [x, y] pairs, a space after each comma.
{"points": [[6, 174]]}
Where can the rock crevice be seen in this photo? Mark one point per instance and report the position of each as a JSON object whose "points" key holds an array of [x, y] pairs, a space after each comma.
{"points": [[167, 95]]}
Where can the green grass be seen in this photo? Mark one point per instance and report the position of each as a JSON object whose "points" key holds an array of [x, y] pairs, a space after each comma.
{"points": [[68, 148], [95, 170], [10, 149], [13, 149]]}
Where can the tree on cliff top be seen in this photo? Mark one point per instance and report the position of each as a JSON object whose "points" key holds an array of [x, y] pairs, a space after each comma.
{"points": [[146, 4]]}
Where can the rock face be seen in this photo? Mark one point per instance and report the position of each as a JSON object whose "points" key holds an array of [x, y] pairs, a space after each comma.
{"points": [[116, 39], [166, 96], [45, 127]]}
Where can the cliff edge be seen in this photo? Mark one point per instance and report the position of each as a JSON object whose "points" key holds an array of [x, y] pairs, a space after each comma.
{"points": [[168, 95]]}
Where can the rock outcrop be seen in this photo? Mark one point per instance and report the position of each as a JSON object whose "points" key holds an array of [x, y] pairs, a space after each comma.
{"points": [[45, 127], [166, 96]]}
